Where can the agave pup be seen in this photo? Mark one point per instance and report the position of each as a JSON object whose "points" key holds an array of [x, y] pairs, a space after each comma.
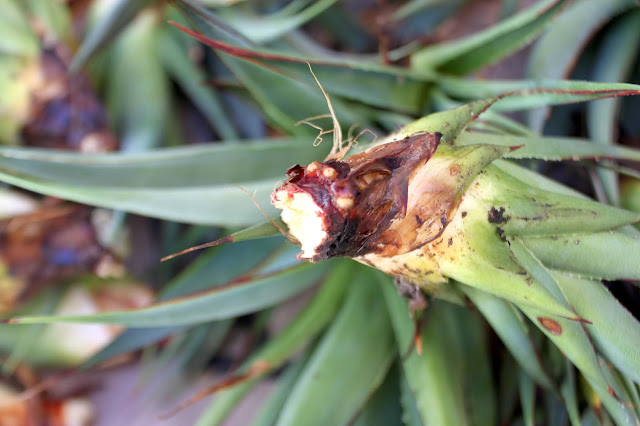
{"points": [[426, 209]]}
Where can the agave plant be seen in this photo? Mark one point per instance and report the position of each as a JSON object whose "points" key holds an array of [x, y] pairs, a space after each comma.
{"points": [[451, 206]]}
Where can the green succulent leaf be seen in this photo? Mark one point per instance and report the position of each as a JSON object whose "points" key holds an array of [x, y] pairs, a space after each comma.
{"points": [[130, 340], [268, 413], [485, 47], [630, 194], [197, 165], [471, 340], [219, 303], [215, 267], [449, 123], [535, 180], [24, 343], [575, 290], [54, 18], [349, 363], [569, 394], [193, 81], [118, 15], [284, 101], [557, 50], [410, 414], [614, 331], [551, 148], [138, 92], [16, 34], [438, 378], [528, 94], [603, 255], [267, 28], [573, 340], [485, 261], [382, 86], [613, 63], [527, 398], [191, 184], [537, 270], [528, 211], [508, 323], [301, 330], [383, 407]]}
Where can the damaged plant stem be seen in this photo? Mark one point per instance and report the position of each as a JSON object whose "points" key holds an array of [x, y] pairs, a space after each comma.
{"points": [[424, 209]]}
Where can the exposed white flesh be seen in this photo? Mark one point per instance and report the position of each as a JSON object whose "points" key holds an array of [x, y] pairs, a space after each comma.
{"points": [[304, 218]]}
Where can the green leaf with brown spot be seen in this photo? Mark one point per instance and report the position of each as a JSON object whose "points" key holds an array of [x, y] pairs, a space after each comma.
{"points": [[572, 339], [485, 261], [615, 332], [528, 211]]}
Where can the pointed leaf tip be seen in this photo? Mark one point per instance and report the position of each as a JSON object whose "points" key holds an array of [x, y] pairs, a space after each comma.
{"points": [[261, 230], [224, 240]]}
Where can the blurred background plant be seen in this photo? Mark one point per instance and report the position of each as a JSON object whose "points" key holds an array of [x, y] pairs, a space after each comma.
{"points": [[193, 123]]}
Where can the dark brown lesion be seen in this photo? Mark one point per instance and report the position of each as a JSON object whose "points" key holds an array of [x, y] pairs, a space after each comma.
{"points": [[497, 216], [361, 195], [417, 299]]}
